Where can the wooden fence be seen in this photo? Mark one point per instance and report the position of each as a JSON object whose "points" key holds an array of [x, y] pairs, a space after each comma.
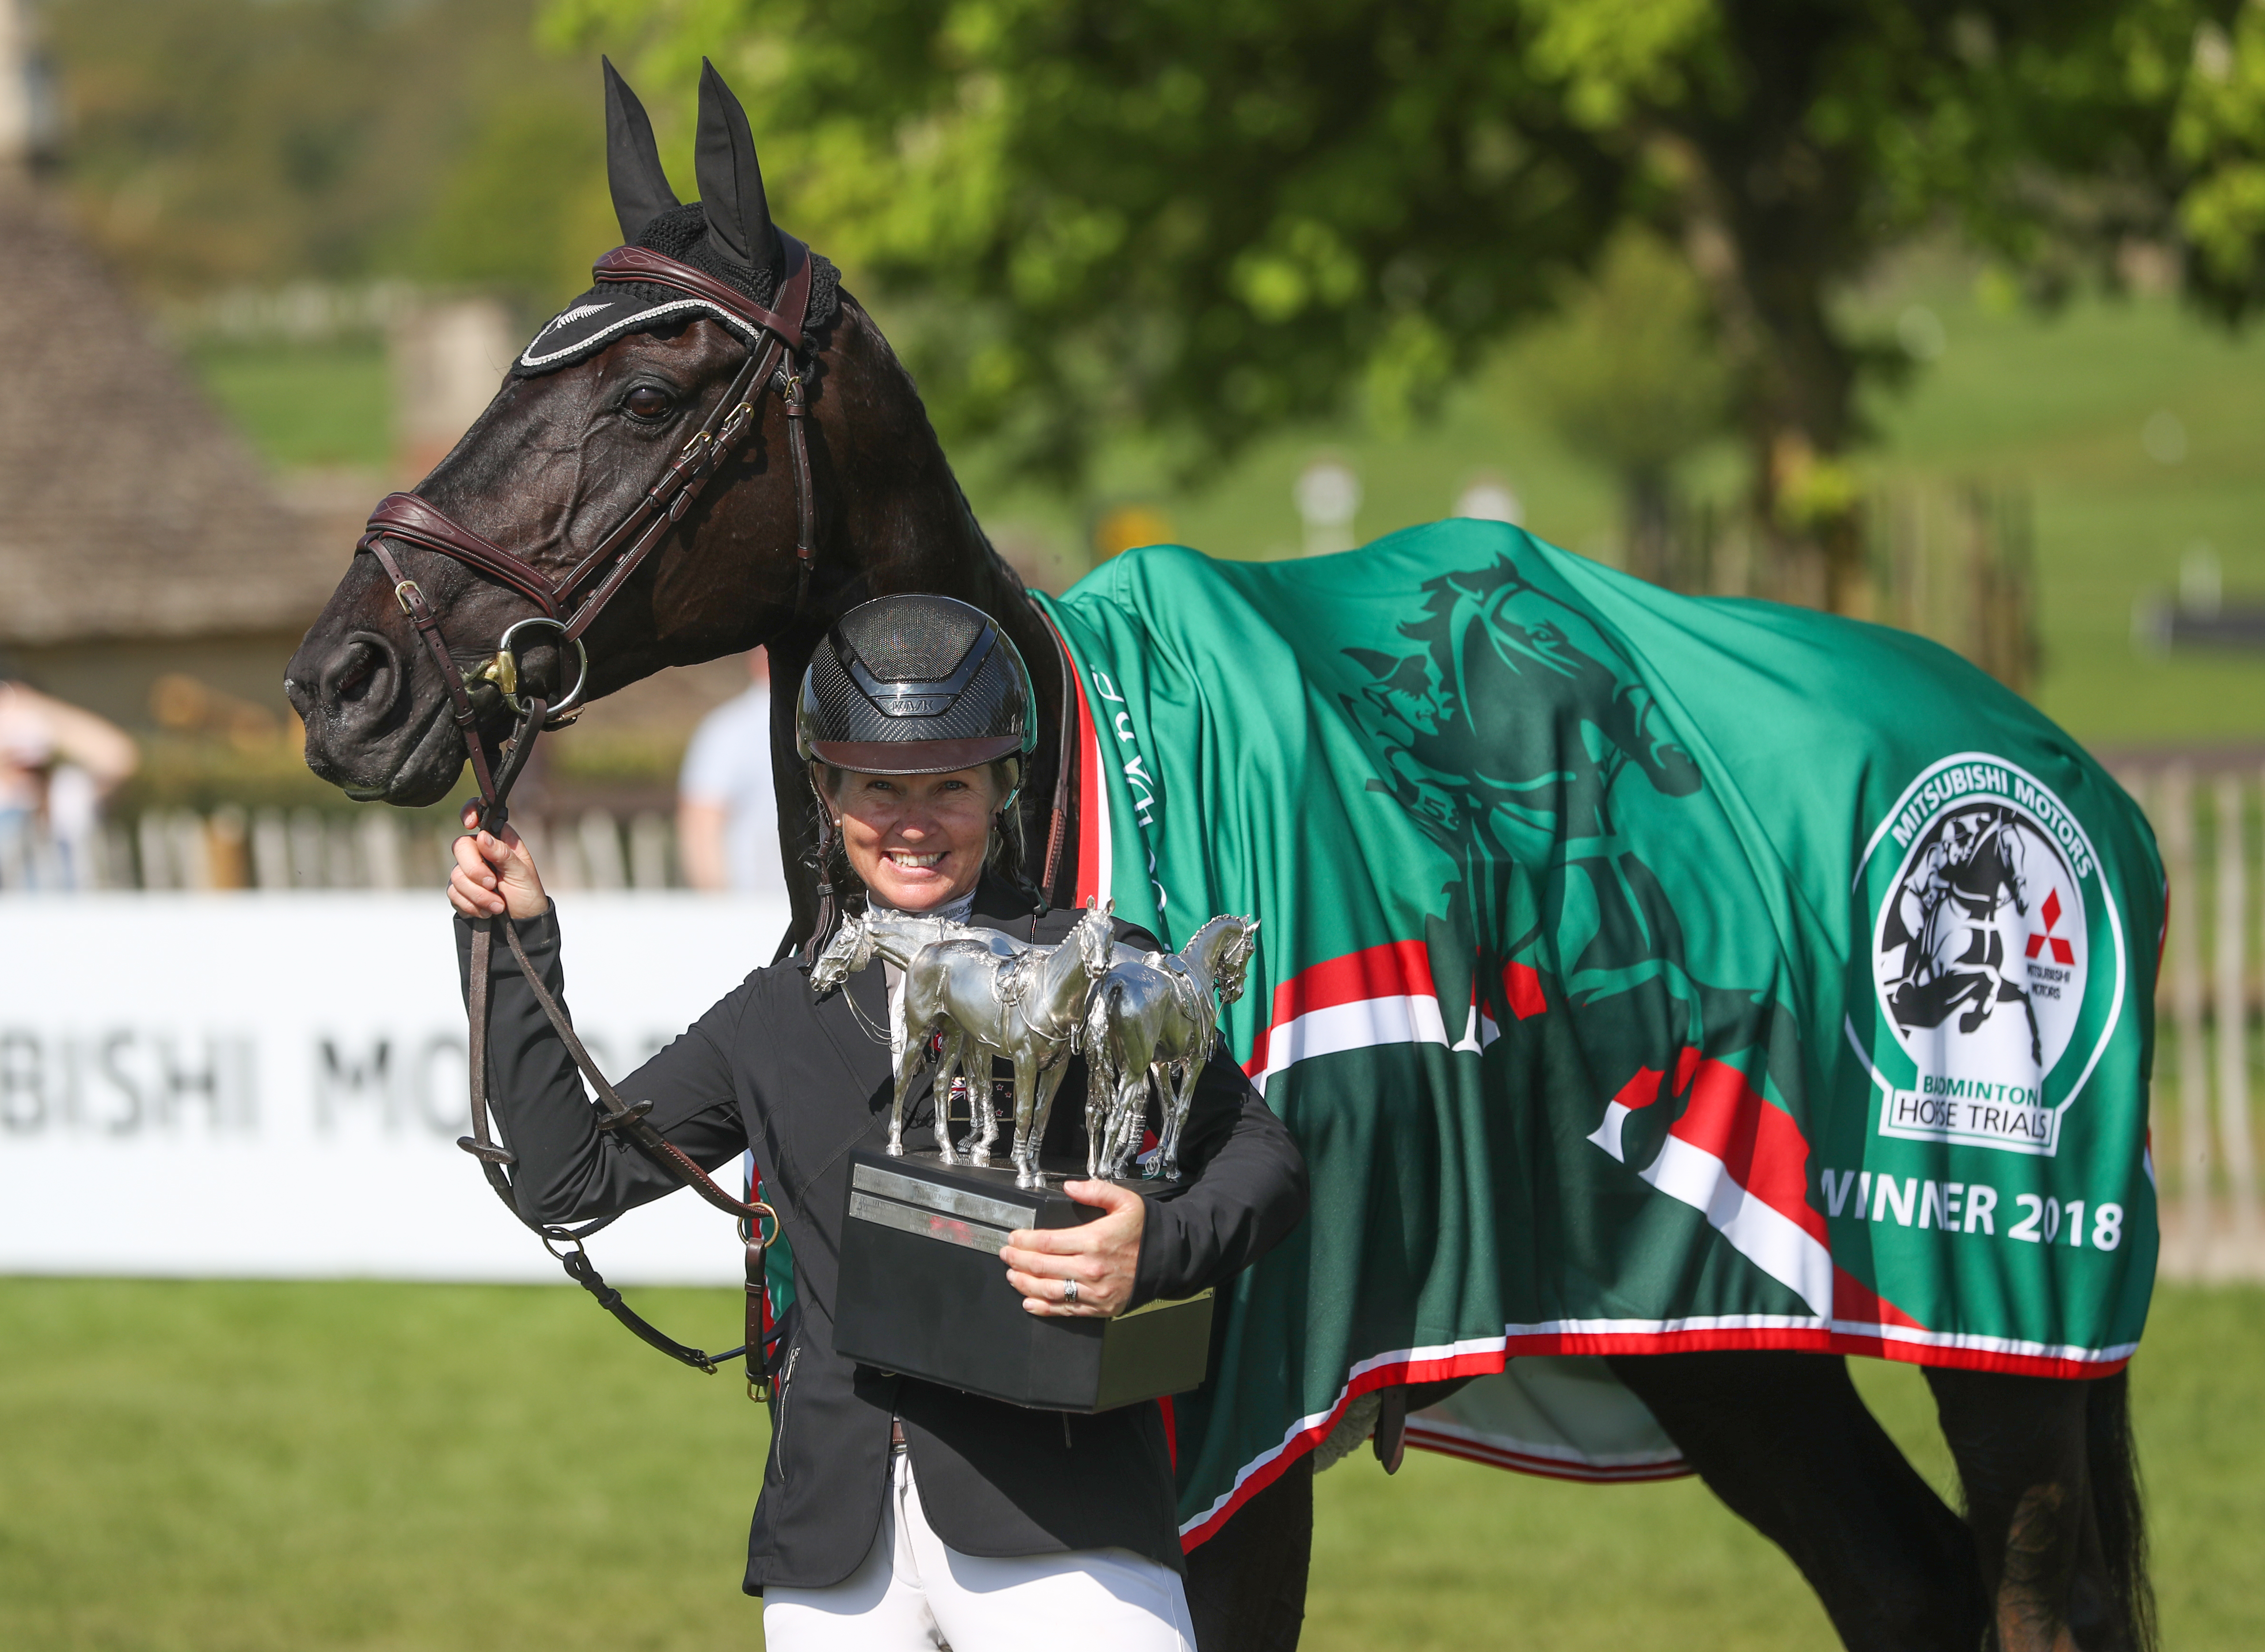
{"points": [[310, 849], [2208, 1020]]}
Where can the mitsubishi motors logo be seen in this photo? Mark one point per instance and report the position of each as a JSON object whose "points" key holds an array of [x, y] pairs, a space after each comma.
{"points": [[2063, 953], [1982, 927]]}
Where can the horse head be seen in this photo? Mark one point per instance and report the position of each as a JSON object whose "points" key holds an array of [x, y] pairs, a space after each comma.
{"points": [[633, 498], [850, 951], [1233, 972], [1095, 938]]}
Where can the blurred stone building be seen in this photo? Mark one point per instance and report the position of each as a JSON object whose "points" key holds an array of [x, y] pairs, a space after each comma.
{"points": [[140, 543]]}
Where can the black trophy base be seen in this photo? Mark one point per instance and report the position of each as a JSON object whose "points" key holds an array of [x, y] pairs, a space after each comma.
{"points": [[923, 1293]]}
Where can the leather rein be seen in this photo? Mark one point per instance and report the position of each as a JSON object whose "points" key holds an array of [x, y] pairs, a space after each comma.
{"points": [[774, 361]]}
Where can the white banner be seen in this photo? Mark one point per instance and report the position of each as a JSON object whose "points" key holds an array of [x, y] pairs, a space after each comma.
{"points": [[273, 1085]]}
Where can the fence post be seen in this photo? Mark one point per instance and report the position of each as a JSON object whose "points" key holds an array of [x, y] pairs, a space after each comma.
{"points": [[308, 840], [270, 850], [650, 841], [191, 849], [380, 849], [2233, 1014], [2177, 795], [601, 851]]}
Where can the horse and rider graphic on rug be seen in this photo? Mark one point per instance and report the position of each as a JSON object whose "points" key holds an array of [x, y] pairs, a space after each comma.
{"points": [[1947, 917]]}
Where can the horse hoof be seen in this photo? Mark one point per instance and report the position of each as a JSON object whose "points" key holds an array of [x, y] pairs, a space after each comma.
{"points": [[896, 1150]]}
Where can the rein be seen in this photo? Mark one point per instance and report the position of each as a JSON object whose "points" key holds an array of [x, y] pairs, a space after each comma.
{"points": [[405, 519]]}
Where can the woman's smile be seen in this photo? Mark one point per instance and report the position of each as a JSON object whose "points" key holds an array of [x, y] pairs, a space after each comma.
{"points": [[916, 840]]}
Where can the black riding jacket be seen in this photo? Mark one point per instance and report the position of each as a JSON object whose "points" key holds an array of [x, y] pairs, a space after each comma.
{"points": [[801, 1082]]}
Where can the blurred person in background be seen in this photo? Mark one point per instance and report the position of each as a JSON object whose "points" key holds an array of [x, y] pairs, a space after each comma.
{"points": [[726, 812], [57, 764]]}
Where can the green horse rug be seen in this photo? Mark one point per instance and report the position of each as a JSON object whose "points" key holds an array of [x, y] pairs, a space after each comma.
{"points": [[1639, 973]]}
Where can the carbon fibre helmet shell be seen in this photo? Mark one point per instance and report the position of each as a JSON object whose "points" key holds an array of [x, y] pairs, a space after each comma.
{"points": [[915, 685]]}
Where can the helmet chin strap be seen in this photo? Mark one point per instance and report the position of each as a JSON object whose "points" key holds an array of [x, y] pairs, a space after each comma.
{"points": [[827, 829]]}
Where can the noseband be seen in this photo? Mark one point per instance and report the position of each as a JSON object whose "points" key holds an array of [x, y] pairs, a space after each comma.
{"points": [[774, 361]]}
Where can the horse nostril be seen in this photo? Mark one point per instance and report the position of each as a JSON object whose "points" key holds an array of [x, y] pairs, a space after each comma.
{"points": [[354, 673], [355, 669]]}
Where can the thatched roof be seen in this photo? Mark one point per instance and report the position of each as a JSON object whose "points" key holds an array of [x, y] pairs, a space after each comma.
{"points": [[128, 507]]}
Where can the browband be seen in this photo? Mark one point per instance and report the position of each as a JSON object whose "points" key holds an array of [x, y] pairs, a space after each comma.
{"points": [[658, 269]]}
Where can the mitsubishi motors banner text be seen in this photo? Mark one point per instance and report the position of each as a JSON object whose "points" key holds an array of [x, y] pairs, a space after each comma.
{"points": [[272, 1085]]}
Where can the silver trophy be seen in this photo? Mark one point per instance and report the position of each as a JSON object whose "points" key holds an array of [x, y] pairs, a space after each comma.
{"points": [[977, 993], [896, 936], [1153, 1020]]}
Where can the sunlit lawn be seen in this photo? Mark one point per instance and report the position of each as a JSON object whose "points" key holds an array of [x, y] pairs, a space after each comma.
{"points": [[216, 1467]]}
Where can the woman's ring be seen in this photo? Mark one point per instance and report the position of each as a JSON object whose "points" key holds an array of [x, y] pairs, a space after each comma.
{"points": [[1069, 1291]]}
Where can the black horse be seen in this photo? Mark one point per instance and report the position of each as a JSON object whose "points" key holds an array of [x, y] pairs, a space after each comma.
{"points": [[2050, 1552]]}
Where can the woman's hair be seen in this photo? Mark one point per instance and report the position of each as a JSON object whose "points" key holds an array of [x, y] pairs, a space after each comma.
{"points": [[1003, 856]]}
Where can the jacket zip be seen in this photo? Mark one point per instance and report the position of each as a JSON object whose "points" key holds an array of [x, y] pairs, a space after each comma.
{"points": [[778, 1429]]}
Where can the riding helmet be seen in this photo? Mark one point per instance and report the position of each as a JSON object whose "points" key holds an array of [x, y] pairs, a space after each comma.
{"points": [[915, 685]]}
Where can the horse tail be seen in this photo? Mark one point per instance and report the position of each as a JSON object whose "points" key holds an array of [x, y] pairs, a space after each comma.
{"points": [[2112, 1464]]}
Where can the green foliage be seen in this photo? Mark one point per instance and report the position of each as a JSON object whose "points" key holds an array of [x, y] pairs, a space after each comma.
{"points": [[220, 141], [1199, 221], [2220, 132], [1630, 377], [266, 1467]]}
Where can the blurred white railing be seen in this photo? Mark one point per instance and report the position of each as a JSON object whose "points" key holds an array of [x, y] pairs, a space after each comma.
{"points": [[2207, 1024], [306, 849]]}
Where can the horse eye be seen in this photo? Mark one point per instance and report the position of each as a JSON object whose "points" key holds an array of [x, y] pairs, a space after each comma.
{"points": [[645, 402]]}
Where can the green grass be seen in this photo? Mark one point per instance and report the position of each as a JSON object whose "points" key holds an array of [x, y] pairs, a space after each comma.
{"points": [[230, 1468], [304, 405]]}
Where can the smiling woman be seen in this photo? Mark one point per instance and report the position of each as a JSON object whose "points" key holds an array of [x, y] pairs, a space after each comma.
{"points": [[917, 841], [897, 1513]]}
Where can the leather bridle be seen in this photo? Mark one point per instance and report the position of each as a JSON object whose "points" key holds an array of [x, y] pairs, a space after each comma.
{"points": [[569, 605], [774, 361]]}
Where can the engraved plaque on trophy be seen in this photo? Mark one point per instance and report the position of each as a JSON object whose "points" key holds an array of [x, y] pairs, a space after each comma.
{"points": [[923, 1293]]}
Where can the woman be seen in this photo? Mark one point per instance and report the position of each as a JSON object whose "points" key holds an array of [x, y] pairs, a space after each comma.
{"points": [[897, 1513]]}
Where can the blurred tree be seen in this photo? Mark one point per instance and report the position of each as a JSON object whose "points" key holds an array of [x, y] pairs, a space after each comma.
{"points": [[1202, 219], [1631, 378], [215, 141]]}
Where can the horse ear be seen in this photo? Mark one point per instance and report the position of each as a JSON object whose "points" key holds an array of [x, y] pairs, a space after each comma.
{"points": [[633, 170], [730, 183]]}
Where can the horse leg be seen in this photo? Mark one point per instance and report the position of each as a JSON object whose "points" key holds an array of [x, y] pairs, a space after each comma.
{"points": [[981, 1104], [1100, 1116], [2052, 1498], [1049, 1081], [949, 1061], [1124, 1118], [1026, 1151], [1784, 1439], [1247, 1585], [1178, 1099], [908, 1065]]}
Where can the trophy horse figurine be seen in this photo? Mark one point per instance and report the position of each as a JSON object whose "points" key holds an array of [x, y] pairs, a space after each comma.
{"points": [[1152, 1021], [896, 936], [976, 993]]}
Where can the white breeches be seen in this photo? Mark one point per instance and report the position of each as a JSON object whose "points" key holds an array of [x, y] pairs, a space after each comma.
{"points": [[912, 1594]]}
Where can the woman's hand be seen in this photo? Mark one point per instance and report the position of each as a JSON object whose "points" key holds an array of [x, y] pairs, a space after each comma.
{"points": [[494, 872], [1100, 1256]]}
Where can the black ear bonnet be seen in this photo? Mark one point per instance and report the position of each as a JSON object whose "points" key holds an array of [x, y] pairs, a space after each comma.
{"points": [[727, 235]]}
